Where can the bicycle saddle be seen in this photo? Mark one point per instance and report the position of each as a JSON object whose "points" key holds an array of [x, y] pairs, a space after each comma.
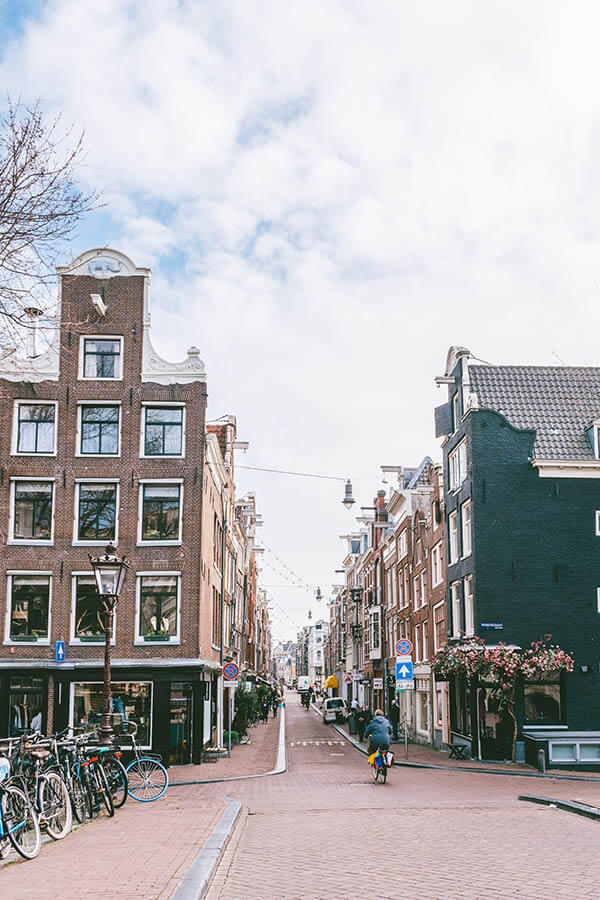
{"points": [[39, 754]]}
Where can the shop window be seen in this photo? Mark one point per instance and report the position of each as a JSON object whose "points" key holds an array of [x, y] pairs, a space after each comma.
{"points": [[35, 428], [25, 704], [101, 358], [158, 604], [88, 623], [163, 428], [422, 711], [131, 701], [96, 512], [543, 699], [161, 512], [32, 513], [99, 430], [29, 607]]}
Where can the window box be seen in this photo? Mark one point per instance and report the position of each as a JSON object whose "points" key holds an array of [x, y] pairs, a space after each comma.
{"points": [[165, 638], [24, 638], [91, 638]]}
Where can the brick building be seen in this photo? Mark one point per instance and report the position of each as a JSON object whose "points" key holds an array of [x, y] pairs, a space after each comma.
{"points": [[104, 440]]}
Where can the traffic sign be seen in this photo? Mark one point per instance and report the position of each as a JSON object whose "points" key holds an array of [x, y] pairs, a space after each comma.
{"points": [[407, 685], [378, 684], [231, 684], [404, 670], [60, 651], [348, 678], [403, 647], [230, 671]]}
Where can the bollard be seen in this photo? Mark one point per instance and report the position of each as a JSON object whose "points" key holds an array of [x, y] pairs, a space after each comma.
{"points": [[542, 761]]}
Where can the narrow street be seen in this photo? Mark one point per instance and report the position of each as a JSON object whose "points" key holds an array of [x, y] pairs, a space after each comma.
{"points": [[324, 829]]}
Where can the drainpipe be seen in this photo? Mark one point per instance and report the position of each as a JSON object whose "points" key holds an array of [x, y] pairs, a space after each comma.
{"points": [[220, 682]]}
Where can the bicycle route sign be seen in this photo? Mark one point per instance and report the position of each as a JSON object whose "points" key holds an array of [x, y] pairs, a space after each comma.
{"points": [[403, 647], [405, 675], [59, 654], [230, 671]]}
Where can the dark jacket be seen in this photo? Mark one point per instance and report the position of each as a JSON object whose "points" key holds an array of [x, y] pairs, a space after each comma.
{"points": [[379, 731]]}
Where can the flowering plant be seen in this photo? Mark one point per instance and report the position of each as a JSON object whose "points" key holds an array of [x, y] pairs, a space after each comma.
{"points": [[543, 657]]}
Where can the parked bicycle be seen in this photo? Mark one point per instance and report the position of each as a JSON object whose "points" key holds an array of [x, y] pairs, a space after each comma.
{"points": [[19, 825], [36, 772], [147, 777]]}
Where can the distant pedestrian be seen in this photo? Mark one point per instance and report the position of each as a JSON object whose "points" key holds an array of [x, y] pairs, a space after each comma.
{"points": [[274, 705], [265, 710], [395, 718], [361, 721]]}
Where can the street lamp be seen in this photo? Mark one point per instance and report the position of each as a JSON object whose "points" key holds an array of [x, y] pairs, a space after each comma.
{"points": [[109, 572]]}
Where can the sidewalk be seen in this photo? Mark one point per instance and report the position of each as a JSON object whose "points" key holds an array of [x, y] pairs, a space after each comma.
{"points": [[255, 758], [425, 755]]}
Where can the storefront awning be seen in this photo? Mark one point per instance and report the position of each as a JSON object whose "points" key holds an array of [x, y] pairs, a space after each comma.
{"points": [[331, 682]]}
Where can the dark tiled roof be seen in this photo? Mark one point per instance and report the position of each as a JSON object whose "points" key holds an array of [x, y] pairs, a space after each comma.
{"points": [[418, 476], [559, 402]]}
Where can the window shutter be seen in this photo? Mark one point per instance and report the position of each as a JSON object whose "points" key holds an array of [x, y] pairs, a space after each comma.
{"points": [[443, 420]]}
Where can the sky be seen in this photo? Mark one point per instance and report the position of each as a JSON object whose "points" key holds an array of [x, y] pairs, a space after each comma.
{"points": [[330, 195]]}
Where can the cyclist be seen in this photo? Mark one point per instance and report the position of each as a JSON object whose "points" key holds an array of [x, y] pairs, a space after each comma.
{"points": [[379, 731]]}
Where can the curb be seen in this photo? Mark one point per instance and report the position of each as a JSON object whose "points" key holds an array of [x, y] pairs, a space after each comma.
{"points": [[195, 882], [479, 771], [280, 765], [579, 809]]}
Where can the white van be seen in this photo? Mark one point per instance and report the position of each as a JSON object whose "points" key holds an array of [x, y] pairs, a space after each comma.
{"points": [[334, 710]]}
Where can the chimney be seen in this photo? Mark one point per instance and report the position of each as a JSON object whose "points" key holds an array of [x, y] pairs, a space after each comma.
{"points": [[33, 314]]}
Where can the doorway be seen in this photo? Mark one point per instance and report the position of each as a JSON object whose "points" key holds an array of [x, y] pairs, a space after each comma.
{"points": [[180, 730]]}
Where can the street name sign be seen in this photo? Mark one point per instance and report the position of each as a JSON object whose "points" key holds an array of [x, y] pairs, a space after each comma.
{"points": [[403, 647], [60, 651], [230, 671]]}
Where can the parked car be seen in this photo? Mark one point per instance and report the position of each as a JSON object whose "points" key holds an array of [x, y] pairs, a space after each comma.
{"points": [[334, 710]]}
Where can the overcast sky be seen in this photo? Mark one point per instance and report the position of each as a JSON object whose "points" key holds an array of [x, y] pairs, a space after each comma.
{"points": [[330, 194]]}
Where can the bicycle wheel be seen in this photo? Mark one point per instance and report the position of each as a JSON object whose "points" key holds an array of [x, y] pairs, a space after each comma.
{"points": [[375, 773], [383, 772], [117, 780], [79, 799], [20, 822], [105, 791], [148, 779], [55, 806]]}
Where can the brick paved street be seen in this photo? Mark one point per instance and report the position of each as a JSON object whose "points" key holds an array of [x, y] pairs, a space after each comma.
{"points": [[325, 830]]}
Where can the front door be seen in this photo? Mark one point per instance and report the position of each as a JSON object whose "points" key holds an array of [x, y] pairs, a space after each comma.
{"points": [[180, 750]]}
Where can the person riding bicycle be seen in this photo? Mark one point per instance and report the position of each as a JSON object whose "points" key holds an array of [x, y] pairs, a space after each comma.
{"points": [[379, 731]]}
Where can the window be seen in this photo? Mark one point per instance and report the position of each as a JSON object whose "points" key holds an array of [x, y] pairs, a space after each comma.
{"points": [[455, 606], [543, 698], [161, 512], [425, 650], [417, 643], [25, 702], [423, 587], [455, 412], [598, 521], [96, 512], [402, 545], [32, 511], [436, 565], [467, 545], [101, 358], [439, 705], [158, 604], [163, 428], [130, 700], [422, 711], [88, 619], [439, 622], [457, 465], [469, 612], [416, 592], [375, 622], [453, 537], [29, 607], [35, 428], [216, 619], [99, 430]]}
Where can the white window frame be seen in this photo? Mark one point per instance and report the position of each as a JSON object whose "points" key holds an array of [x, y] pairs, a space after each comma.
{"points": [[80, 405], [117, 680], [455, 412], [417, 644], [598, 599], [469, 609], [457, 465], [466, 545], [456, 607], [10, 573], [439, 691], [78, 482], [598, 521], [144, 481], [452, 538], [164, 403], [29, 542], [15, 427], [437, 571], [73, 639], [424, 655], [436, 646], [422, 728], [402, 545], [99, 337], [416, 598], [423, 587], [156, 573]]}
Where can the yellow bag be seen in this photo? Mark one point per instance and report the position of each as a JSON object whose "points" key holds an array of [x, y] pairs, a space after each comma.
{"points": [[372, 758]]}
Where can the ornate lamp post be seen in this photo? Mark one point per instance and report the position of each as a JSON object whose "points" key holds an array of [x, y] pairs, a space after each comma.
{"points": [[109, 572]]}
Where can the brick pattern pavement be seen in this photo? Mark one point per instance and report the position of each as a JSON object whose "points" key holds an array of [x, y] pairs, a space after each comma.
{"points": [[324, 829], [141, 854], [255, 758]]}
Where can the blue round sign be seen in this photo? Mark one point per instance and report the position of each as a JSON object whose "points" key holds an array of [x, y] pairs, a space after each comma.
{"points": [[230, 671]]}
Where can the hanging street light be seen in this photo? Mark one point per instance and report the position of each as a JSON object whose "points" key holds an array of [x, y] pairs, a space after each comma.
{"points": [[348, 500], [109, 572]]}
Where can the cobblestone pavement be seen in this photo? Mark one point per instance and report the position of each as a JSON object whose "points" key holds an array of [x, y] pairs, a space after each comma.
{"points": [[141, 854], [255, 758], [324, 830]]}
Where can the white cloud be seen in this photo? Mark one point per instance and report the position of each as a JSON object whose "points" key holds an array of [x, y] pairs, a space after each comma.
{"points": [[353, 187]]}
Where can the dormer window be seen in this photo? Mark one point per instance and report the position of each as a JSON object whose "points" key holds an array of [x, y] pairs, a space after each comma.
{"points": [[593, 435]]}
